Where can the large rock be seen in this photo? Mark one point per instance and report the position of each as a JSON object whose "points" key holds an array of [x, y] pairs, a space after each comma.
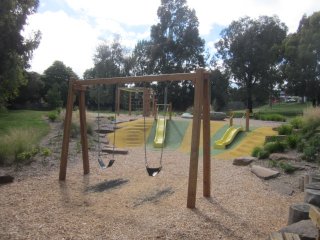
{"points": [[284, 156], [264, 173], [305, 229], [6, 179], [243, 161]]}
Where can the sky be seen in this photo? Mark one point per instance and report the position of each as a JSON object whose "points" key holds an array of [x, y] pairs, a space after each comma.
{"points": [[72, 29]]}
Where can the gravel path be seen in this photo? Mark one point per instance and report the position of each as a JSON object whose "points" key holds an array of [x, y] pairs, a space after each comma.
{"points": [[123, 202]]}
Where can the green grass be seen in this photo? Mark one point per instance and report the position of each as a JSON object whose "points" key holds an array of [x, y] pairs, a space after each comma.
{"points": [[289, 110], [20, 132], [286, 109], [23, 119]]}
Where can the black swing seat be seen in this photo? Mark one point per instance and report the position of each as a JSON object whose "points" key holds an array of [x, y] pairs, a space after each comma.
{"points": [[103, 165], [153, 171]]}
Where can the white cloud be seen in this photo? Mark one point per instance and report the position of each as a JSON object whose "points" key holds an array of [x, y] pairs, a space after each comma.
{"points": [[224, 12], [74, 38], [63, 38]]}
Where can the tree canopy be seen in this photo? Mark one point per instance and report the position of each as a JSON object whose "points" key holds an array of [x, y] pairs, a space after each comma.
{"points": [[16, 50], [250, 50], [302, 54]]}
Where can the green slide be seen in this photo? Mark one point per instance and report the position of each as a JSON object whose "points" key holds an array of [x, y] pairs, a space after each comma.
{"points": [[160, 132], [227, 138]]}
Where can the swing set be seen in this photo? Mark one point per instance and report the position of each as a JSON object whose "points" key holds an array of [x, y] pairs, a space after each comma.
{"points": [[201, 112]]}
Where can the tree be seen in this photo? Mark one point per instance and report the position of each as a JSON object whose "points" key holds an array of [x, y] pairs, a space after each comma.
{"points": [[56, 79], [250, 50], [219, 89], [110, 60], [176, 44], [302, 58], [16, 50], [176, 47], [32, 93]]}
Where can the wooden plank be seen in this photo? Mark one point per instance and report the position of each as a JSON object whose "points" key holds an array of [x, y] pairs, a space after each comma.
{"points": [[206, 139], [83, 132], [136, 79], [275, 236], [66, 133], [247, 120], [195, 140], [314, 215], [291, 236]]}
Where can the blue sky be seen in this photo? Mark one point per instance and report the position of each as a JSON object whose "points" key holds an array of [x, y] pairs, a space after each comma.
{"points": [[72, 29]]}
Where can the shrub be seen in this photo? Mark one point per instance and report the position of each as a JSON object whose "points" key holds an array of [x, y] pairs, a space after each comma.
{"points": [[287, 167], [272, 117], [285, 129], [273, 147], [46, 152], [53, 116], [75, 130], [255, 152], [89, 129], [310, 153], [273, 163], [292, 141], [297, 123], [17, 145], [263, 154]]}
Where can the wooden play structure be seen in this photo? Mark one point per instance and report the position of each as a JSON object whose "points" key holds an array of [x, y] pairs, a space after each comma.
{"points": [[201, 112], [149, 101]]}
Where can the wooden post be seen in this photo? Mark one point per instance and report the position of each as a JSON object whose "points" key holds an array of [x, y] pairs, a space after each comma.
{"points": [[129, 103], [83, 131], [66, 133], [117, 100], [170, 111], [153, 104], [247, 119], [144, 102], [195, 140], [206, 138]]}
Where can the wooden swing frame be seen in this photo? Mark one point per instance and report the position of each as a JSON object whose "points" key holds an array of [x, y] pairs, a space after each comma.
{"points": [[201, 111]]}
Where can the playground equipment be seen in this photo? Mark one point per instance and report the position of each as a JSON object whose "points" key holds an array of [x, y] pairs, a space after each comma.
{"points": [[201, 112], [227, 137], [112, 160], [148, 95], [160, 135]]}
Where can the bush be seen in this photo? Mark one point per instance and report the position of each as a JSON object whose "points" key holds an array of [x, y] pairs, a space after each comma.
{"points": [[292, 141], [272, 117], [287, 167], [17, 145], [53, 116], [297, 123], [255, 152], [285, 129], [89, 129], [263, 154], [46, 152], [273, 147], [75, 130]]}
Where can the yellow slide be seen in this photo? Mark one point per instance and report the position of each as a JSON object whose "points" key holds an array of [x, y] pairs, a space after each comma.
{"points": [[227, 138], [160, 133]]}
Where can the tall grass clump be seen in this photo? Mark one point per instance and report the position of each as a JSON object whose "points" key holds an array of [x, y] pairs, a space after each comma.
{"points": [[16, 142], [311, 118]]}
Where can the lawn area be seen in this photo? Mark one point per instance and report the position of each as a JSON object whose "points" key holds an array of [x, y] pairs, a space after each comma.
{"points": [[286, 109], [23, 119]]}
